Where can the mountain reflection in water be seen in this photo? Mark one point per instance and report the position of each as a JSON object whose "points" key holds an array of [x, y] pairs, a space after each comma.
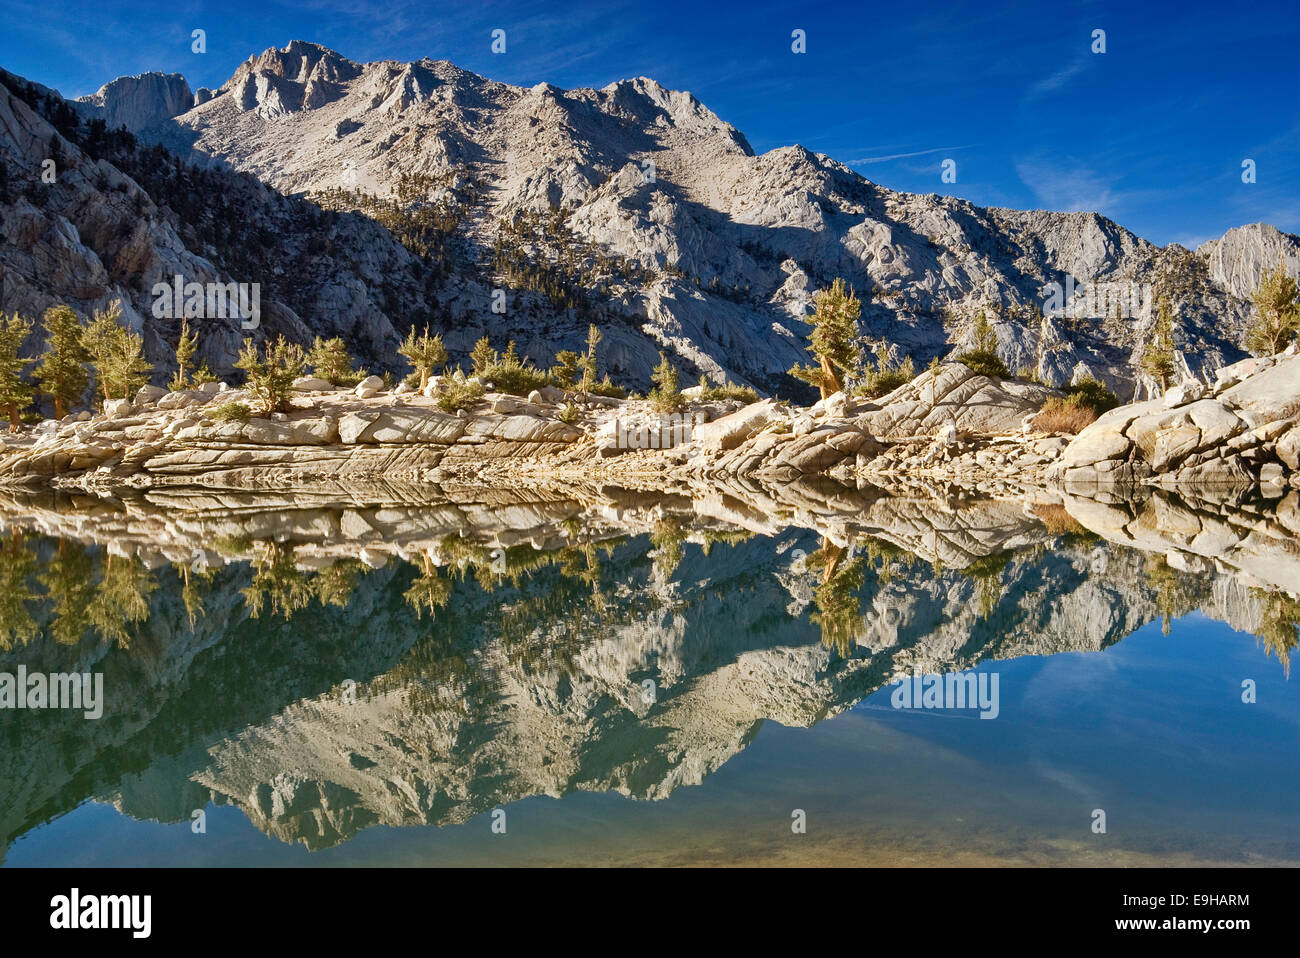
{"points": [[391, 658]]}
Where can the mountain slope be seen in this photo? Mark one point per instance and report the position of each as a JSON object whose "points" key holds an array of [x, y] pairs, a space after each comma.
{"points": [[119, 217], [637, 208]]}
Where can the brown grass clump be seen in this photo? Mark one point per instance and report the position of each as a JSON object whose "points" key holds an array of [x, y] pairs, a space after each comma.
{"points": [[1062, 415], [1058, 521]]}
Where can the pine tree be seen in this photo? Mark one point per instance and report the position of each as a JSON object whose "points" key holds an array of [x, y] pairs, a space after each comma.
{"points": [[665, 396], [271, 373], [1277, 314], [588, 362], [186, 347], [121, 599], [510, 358], [330, 360], [62, 370], [426, 353], [833, 340], [15, 392], [116, 353], [482, 356], [983, 334], [565, 370], [1158, 355]]}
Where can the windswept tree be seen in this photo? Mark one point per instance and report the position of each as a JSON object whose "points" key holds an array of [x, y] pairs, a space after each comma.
{"points": [[15, 392], [330, 360], [116, 354], [186, 346], [1277, 314], [61, 371], [833, 340], [271, 372], [426, 353], [1157, 360]]}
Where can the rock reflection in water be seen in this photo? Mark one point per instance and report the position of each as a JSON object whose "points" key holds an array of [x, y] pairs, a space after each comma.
{"points": [[505, 643]]}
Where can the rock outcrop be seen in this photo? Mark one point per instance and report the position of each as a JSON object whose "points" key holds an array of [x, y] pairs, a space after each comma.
{"points": [[1242, 431], [209, 438], [139, 102], [949, 424]]}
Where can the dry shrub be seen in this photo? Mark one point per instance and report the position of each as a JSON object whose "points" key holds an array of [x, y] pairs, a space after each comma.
{"points": [[1061, 415]]}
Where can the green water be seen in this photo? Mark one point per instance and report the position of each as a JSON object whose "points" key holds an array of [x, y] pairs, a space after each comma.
{"points": [[689, 694]]}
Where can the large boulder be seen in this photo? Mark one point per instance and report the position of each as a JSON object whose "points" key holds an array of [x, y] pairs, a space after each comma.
{"points": [[369, 387], [147, 395], [730, 431], [953, 393], [1188, 438]]}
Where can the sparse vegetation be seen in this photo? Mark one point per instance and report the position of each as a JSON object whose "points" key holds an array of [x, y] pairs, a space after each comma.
{"points": [[330, 360], [15, 392], [1157, 360], [1083, 402], [1062, 416], [833, 340], [566, 368], [231, 411], [885, 376], [458, 396], [1093, 394], [186, 346], [426, 353], [1276, 320], [665, 396], [61, 371], [271, 372], [983, 357], [728, 391], [116, 354]]}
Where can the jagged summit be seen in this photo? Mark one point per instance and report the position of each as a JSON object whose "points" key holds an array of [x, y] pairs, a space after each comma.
{"points": [[671, 231]]}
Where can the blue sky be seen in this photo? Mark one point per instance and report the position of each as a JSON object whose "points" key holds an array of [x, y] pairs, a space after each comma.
{"points": [[1152, 132]]}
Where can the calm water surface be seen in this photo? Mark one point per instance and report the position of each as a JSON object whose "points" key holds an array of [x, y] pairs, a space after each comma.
{"points": [[686, 695]]}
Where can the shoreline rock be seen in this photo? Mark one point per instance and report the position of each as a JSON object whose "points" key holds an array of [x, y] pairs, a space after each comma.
{"points": [[949, 424]]}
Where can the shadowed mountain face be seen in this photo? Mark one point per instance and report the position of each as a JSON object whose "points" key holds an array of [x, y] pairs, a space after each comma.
{"points": [[326, 666], [380, 195]]}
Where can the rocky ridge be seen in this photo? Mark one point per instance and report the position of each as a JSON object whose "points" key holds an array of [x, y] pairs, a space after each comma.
{"points": [[667, 228]]}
